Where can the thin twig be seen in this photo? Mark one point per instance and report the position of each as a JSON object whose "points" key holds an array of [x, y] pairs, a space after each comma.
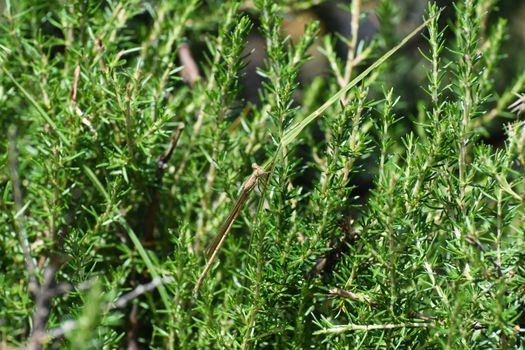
{"points": [[164, 159], [130, 141], [75, 110], [215, 246], [65, 287], [371, 327], [19, 218], [133, 328], [343, 293], [74, 89], [422, 316], [141, 289], [475, 242], [43, 303], [327, 262], [119, 303], [350, 60]]}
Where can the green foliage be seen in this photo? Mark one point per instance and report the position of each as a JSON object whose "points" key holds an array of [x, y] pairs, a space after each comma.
{"points": [[383, 220]]}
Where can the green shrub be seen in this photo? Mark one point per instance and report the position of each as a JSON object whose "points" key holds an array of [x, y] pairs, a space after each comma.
{"points": [[127, 148]]}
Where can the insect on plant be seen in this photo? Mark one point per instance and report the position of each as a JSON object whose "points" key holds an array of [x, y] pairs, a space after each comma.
{"points": [[215, 246]]}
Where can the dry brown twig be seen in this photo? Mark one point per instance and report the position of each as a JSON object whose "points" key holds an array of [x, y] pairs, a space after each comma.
{"points": [[164, 159], [162, 163], [75, 110]]}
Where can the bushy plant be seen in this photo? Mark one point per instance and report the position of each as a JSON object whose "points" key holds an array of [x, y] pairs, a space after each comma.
{"points": [[347, 211]]}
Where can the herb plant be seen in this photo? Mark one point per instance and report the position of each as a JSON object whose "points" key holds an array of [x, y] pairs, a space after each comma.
{"points": [[348, 210]]}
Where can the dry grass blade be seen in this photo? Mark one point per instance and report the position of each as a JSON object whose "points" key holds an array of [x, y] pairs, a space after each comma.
{"points": [[39, 108], [294, 130]]}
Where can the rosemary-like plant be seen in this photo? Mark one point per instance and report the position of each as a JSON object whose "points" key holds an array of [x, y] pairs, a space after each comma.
{"points": [[146, 203]]}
